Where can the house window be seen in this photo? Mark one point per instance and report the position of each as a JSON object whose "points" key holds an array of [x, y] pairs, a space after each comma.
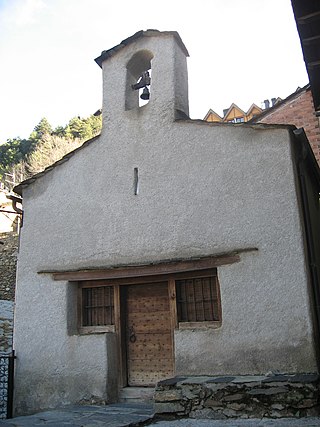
{"points": [[198, 300], [97, 306]]}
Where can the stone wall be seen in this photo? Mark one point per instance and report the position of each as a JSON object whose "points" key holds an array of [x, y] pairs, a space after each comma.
{"points": [[273, 396], [6, 326], [8, 262]]}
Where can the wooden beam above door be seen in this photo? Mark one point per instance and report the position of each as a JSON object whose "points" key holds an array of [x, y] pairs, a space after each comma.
{"points": [[152, 269]]}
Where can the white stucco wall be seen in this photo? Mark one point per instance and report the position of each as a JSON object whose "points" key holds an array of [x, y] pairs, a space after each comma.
{"points": [[53, 365], [204, 189]]}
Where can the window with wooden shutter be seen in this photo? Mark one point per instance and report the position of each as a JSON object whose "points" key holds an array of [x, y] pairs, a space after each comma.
{"points": [[198, 300], [97, 309]]}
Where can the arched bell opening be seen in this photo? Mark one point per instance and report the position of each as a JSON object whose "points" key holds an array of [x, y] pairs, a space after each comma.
{"points": [[138, 80]]}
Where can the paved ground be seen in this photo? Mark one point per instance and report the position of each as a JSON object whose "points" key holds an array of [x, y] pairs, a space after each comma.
{"points": [[117, 415], [125, 415]]}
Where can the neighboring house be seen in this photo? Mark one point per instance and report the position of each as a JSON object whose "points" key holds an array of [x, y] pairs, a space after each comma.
{"points": [[297, 109], [8, 217], [165, 246], [233, 114]]}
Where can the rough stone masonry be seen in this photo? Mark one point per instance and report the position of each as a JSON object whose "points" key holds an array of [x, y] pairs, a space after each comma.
{"points": [[273, 396], [8, 262]]}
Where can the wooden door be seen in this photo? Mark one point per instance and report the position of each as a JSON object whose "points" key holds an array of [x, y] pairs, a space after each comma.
{"points": [[149, 338]]}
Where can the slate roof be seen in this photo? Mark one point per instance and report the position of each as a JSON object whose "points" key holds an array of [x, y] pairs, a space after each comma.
{"points": [[226, 111], [149, 33], [211, 112], [279, 104]]}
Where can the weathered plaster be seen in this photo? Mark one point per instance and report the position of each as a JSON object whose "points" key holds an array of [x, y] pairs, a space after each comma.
{"points": [[58, 368], [203, 190]]}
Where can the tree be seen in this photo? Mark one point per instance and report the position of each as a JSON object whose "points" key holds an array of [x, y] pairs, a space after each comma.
{"points": [[95, 124], [45, 146], [59, 131], [83, 128], [42, 128], [49, 150], [12, 152], [25, 146]]}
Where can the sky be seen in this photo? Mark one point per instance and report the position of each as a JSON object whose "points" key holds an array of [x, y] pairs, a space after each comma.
{"points": [[241, 51]]}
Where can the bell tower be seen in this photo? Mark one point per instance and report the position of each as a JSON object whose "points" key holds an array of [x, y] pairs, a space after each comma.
{"points": [[150, 65]]}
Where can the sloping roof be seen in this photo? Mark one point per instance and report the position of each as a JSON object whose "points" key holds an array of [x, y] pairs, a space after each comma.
{"points": [[279, 104], [235, 107], [18, 189], [253, 106], [227, 111], [149, 33], [307, 16], [211, 112]]}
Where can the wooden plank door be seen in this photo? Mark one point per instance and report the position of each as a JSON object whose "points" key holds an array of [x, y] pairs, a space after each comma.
{"points": [[149, 339]]}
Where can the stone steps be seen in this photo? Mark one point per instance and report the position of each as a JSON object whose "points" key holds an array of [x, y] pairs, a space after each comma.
{"points": [[136, 395]]}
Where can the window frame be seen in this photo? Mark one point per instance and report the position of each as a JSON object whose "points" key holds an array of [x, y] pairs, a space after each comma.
{"points": [[93, 329], [201, 324]]}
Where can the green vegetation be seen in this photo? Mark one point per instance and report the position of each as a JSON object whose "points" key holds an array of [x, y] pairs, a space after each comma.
{"points": [[21, 158]]}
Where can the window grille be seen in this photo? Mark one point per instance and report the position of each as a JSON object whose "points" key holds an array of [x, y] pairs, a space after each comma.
{"points": [[198, 300], [97, 306]]}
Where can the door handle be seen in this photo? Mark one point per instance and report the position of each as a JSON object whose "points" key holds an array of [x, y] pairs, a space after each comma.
{"points": [[132, 335]]}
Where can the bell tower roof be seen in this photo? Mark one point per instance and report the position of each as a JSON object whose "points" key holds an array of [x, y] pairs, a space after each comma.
{"points": [[148, 33]]}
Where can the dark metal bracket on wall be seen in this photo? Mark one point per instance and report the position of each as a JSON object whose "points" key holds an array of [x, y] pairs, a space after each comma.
{"points": [[7, 383], [16, 210]]}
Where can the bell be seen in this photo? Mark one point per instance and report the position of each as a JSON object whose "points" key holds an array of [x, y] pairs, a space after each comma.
{"points": [[145, 94]]}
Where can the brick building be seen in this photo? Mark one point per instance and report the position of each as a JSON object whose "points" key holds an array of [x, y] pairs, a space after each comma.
{"points": [[297, 109]]}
